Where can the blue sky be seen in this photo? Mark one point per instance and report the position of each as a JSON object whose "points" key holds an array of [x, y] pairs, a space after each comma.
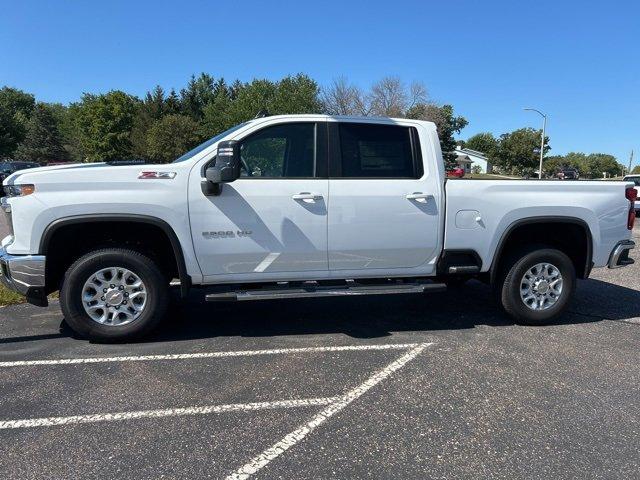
{"points": [[578, 61]]}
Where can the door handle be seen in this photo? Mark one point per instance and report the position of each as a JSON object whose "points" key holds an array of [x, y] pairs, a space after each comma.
{"points": [[307, 197], [419, 197]]}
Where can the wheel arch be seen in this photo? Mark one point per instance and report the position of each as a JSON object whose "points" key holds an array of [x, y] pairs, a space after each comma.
{"points": [[57, 225], [582, 270]]}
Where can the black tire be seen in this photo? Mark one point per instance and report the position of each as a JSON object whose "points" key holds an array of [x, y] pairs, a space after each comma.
{"points": [[519, 265], [76, 276]]}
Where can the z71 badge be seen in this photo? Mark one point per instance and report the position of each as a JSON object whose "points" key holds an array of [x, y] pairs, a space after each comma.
{"points": [[226, 234]]}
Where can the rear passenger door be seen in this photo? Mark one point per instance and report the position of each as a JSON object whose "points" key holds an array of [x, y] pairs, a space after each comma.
{"points": [[383, 205]]}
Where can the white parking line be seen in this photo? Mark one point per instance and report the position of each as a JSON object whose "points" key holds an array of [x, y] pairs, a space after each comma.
{"points": [[262, 460], [191, 356], [169, 412]]}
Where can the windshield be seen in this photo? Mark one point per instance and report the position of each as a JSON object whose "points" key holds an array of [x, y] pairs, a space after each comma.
{"points": [[208, 143]]}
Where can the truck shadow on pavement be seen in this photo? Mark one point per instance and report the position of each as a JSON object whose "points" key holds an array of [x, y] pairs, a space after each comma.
{"points": [[357, 317], [379, 316]]}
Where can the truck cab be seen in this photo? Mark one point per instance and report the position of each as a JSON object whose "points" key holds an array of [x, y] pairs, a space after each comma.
{"points": [[297, 206], [318, 199]]}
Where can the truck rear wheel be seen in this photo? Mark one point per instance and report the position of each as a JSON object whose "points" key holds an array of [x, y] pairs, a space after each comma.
{"points": [[113, 295], [538, 286]]}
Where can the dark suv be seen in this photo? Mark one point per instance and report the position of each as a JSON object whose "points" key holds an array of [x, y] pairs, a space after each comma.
{"points": [[568, 174], [7, 168]]}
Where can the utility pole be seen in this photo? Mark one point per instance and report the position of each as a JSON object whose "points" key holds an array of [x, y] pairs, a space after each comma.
{"points": [[630, 160], [544, 126]]}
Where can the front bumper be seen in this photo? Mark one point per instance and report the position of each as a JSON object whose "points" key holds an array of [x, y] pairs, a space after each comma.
{"points": [[24, 274], [620, 254]]}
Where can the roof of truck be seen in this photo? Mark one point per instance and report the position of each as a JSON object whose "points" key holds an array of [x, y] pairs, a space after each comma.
{"points": [[341, 118]]}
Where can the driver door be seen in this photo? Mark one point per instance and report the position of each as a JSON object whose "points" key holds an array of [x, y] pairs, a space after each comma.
{"points": [[272, 221]]}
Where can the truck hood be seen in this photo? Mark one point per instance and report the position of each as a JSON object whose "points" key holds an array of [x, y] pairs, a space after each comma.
{"points": [[10, 180], [72, 170]]}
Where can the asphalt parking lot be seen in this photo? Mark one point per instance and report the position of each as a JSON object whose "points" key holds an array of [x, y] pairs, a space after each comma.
{"points": [[441, 386]]}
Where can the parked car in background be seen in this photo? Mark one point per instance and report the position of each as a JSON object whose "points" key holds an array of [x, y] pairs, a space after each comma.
{"points": [[456, 172], [568, 174], [7, 168], [636, 180]]}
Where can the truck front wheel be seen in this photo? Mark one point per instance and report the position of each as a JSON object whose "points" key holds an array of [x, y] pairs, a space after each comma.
{"points": [[113, 294], [538, 286]]}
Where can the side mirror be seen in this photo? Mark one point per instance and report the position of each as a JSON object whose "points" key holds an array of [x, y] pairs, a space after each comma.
{"points": [[225, 170]]}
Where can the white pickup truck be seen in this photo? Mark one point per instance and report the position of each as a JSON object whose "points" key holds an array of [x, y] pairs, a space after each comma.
{"points": [[301, 206]]}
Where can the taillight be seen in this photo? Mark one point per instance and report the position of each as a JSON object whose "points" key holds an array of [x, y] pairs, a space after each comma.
{"points": [[631, 194]]}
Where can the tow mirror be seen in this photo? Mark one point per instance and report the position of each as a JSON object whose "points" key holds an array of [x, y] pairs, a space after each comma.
{"points": [[225, 170]]}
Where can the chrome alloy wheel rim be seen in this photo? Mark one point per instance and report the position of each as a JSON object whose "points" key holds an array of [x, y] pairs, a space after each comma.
{"points": [[114, 296], [541, 286]]}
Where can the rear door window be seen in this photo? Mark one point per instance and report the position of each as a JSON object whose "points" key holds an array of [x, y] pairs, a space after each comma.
{"points": [[378, 151]]}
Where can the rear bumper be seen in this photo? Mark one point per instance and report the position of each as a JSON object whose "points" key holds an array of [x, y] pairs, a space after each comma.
{"points": [[619, 256], [24, 274]]}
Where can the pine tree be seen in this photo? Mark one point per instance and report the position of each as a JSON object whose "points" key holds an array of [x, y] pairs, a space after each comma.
{"points": [[199, 92], [172, 103], [42, 142], [153, 104]]}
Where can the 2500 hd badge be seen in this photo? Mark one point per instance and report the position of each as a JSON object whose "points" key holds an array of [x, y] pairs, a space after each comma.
{"points": [[226, 234]]}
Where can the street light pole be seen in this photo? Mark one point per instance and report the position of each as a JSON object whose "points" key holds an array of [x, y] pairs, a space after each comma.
{"points": [[544, 127]]}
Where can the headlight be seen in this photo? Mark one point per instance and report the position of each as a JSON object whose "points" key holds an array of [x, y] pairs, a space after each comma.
{"points": [[19, 190]]}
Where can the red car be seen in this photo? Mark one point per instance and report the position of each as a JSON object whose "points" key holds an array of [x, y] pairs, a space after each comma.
{"points": [[456, 172]]}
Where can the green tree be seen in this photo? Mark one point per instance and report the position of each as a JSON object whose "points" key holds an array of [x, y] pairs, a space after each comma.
{"points": [[154, 106], [636, 170], [250, 99], [103, 125], [17, 101], [292, 94], [485, 143], [519, 151], [216, 115], [172, 102], [447, 125], [199, 92], [171, 136], [552, 164], [296, 94], [65, 121], [576, 159], [15, 109], [592, 165], [599, 163], [9, 132], [42, 142]]}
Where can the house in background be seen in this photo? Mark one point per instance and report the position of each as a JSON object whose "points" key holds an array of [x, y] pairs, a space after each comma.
{"points": [[467, 159]]}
